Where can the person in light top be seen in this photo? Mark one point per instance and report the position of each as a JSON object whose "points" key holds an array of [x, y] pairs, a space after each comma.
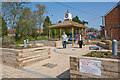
{"points": [[64, 39]]}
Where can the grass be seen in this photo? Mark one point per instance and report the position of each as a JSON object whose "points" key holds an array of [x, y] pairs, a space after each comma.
{"points": [[39, 39]]}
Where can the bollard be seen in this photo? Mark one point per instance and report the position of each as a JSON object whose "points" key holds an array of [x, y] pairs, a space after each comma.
{"points": [[114, 47], [24, 43], [27, 41]]}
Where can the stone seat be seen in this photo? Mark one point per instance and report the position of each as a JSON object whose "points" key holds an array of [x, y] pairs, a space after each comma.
{"points": [[95, 48]]}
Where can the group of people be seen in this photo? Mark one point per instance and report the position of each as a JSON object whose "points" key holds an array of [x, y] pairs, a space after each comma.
{"points": [[64, 39]]}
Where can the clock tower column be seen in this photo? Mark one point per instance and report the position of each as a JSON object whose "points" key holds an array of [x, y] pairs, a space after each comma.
{"points": [[68, 16]]}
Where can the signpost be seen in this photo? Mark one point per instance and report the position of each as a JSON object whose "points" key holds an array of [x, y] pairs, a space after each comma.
{"points": [[27, 41], [90, 66]]}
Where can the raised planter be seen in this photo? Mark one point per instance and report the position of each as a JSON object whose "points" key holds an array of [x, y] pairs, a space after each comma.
{"points": [[25, 57], [110, 68], [106, 44], [51, 43], [92, 42]]}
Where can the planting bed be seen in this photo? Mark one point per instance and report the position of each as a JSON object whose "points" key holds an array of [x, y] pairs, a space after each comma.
{"points": [[18, 46], [52, 43], [103, 54], [24, 57]]}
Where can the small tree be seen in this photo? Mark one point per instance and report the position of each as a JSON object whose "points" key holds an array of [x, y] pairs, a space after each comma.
{"points": [[34, 33], [76, 19], [47, 22], [39, 15], [4, 28]]}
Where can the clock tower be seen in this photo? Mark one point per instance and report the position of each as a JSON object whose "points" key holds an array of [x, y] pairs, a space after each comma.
{"points": [[68, 16]]}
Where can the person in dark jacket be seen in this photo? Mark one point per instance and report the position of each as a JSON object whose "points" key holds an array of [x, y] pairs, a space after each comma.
{"points": [[80, 41]]}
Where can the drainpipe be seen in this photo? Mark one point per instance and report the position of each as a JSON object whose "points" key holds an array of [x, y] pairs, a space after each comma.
{"points": [[111, 32]]}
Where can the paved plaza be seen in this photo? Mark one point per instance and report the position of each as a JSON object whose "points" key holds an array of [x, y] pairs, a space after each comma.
{"points": [[57, 66]]}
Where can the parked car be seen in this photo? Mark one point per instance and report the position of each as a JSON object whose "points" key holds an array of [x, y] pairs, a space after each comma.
{"points": [[91, 36], [75, 37]]}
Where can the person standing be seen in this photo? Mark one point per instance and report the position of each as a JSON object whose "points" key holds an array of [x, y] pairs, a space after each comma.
{"points": [[64, 39], [80, 41]]}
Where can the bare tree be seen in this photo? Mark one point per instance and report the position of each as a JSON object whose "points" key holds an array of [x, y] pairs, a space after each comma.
{"points": [[11, 12], [40, 15]]}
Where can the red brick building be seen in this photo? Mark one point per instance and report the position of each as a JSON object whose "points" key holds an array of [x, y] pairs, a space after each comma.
{"points": [[102, 31], [112, 22]]}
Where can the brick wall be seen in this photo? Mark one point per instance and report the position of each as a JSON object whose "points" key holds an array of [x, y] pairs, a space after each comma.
{"points": [[112, 19], [102, 32], [119, 21]]}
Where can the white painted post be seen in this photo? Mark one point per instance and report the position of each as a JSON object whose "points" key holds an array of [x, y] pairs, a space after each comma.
{"points": [[24, 43], [27, 41], [80, 38]]}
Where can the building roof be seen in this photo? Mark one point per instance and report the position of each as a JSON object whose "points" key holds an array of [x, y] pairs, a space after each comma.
{"points": [[67, 24], [112, 8]]}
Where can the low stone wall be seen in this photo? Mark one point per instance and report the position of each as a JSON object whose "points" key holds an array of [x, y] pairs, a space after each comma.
{"points": [[109, 68], [20, 58], [106, 44], [52, 43], [92, 42], [11, 57]]}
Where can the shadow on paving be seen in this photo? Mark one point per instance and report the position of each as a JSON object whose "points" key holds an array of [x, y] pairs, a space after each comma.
{"points": [[65, 75]]}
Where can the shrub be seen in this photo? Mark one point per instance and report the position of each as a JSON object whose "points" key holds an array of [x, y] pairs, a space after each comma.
{"points": [[106, 53], [28, 45], [17, 45], [4, 46], [91, 55], [10, 46], [102, 55], [11, 42], [109, 51], [94, 52], [22, 46]]}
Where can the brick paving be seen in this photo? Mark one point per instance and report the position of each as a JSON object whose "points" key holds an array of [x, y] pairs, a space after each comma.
{"points": [[10, 72]]}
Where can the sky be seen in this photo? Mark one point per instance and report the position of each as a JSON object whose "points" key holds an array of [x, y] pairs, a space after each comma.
{"points": [[88, 11], [60, 0]]}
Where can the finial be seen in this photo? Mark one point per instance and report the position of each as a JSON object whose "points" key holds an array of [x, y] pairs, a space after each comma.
{"points": [[67, 11]]}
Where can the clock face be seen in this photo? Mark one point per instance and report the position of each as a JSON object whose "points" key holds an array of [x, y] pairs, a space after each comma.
{"points": [[66, 15]]}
